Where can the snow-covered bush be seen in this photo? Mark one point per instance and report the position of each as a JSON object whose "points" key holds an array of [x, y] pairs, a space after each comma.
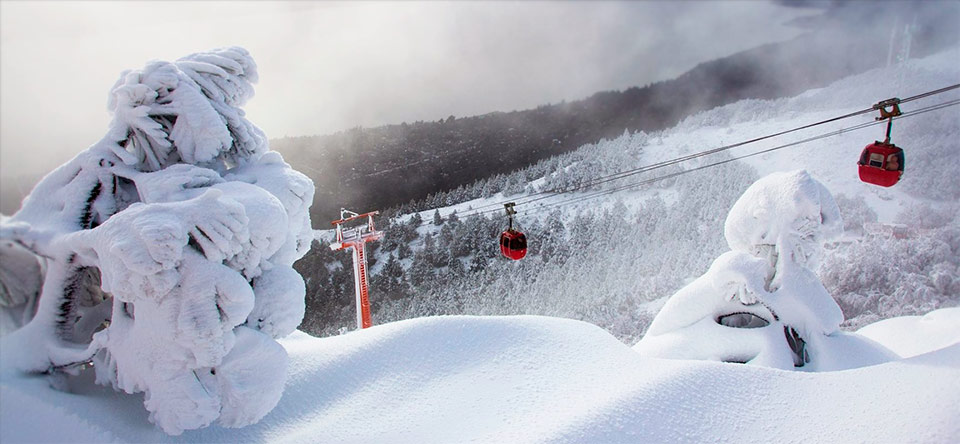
{"points": [[168, 249], [885, 274], [926, 216], [761, 303], [855, 212]]}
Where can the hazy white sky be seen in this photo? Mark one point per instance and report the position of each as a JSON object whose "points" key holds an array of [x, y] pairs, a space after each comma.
{"points": [[327, 66]]}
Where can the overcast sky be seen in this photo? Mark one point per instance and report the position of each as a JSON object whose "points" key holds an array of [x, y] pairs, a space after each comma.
{"points": [[327, 66]]}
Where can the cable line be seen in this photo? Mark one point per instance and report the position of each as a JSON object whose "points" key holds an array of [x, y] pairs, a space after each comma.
{"points": [[666, 163], [546, 194], [635, 171], [600, 193]]}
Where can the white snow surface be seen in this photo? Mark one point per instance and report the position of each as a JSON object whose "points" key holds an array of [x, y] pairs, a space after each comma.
{"points": [[536, 379], [524, 379], [915, 335]]}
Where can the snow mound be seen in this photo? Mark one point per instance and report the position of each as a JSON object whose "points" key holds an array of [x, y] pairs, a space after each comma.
{"points": [[60, 425], [537, 379], [916, 335], [761, 303]]}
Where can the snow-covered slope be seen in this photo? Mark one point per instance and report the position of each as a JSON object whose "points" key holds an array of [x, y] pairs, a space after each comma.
{"points": [[526, 379], [616, 256]]}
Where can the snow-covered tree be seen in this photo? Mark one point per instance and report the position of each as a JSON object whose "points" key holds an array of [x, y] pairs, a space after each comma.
{"points": [[415, 220], [404, 251], [390, 283], [168, 248], [761, 303]]}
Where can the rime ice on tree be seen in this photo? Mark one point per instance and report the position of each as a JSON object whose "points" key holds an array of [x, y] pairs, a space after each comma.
{"points": [[761, 303], [168, 249]]}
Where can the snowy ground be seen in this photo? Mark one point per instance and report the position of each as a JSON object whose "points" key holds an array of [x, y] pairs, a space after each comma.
{"points": [[535, 379]]}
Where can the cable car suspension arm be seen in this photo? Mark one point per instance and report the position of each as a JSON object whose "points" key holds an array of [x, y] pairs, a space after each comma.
{"points": [[894, 103]]}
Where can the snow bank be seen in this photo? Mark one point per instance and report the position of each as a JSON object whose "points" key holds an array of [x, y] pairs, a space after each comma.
{"points": [[533, 379], [916, 335], [57, 423]]}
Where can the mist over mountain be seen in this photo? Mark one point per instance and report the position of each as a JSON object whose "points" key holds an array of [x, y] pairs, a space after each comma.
{"points": [[383, 167]]}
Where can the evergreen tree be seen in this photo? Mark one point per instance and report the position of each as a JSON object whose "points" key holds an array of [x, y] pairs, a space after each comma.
{"points": [[553, 238], [478, 263], [455, 267], [390, 282], [421, 273], [403, 251]]}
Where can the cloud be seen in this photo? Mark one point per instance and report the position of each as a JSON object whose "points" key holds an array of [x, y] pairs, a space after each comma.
{"points": [[326, 66]]}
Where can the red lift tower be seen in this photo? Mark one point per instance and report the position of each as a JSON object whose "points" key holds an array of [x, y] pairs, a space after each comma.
{"points": [[356, 238]]}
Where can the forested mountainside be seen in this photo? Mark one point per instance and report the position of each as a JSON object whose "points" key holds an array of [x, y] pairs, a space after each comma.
{"points": [[611, 260], [378, 168]]}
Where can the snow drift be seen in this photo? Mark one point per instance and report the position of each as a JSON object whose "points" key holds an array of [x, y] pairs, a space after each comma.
{"points": [[530, 379], [166, 251]]}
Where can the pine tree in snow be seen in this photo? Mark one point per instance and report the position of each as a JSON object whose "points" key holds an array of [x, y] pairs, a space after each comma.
{"points": [[404, 251], [168, 249], [390, 282]]}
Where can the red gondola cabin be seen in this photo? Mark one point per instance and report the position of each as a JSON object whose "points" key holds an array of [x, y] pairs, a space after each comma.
{"points": [[513, 244], [881, 164]]}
